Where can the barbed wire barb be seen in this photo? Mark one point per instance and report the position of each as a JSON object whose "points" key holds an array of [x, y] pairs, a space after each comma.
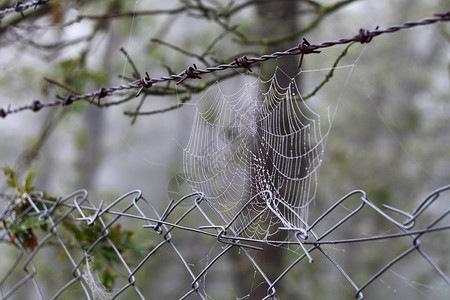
{"points": [[120, 246], [20, 7], [364, 36]]}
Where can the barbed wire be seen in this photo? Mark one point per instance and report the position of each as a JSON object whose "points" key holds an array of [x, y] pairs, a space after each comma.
{"points": [[20, 7], [192, 72], [33, 225], [77, 210]]}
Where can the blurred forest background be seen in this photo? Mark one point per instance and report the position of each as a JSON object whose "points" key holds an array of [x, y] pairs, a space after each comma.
{"points": [[390, 136]]}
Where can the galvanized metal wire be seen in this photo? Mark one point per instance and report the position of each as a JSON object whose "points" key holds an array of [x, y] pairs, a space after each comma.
{"points": [[33, 226], [165, 225]]}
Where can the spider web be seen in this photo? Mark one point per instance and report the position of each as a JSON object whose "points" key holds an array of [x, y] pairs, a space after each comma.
{"points": [[255, 154]]}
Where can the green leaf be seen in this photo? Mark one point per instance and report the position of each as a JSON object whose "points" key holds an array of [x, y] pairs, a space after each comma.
{"points": [[10, 175], [28, 182], [28, 223], [69, 65]]}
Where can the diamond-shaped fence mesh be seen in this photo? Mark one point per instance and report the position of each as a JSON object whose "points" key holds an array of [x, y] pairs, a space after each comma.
{"points": [[71, 247]]}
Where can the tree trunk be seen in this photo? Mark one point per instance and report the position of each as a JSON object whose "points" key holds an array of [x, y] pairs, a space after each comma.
{"points": [[277, 19]]}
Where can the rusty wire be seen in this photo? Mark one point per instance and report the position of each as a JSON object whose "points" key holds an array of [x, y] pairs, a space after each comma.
{"points": [[164, 225], [171, 222], [304, 48]]}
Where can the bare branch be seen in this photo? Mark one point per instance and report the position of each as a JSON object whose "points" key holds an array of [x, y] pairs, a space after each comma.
{"points": [[364, 36]]}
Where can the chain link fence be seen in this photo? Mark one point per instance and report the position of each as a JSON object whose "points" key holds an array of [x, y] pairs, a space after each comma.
{"points": [[74, 247], [89, 253]]}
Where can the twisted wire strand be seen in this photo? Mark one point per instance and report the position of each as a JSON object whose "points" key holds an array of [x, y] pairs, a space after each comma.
{"points": [[304, 48], [168, 224], [21, 7]]}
